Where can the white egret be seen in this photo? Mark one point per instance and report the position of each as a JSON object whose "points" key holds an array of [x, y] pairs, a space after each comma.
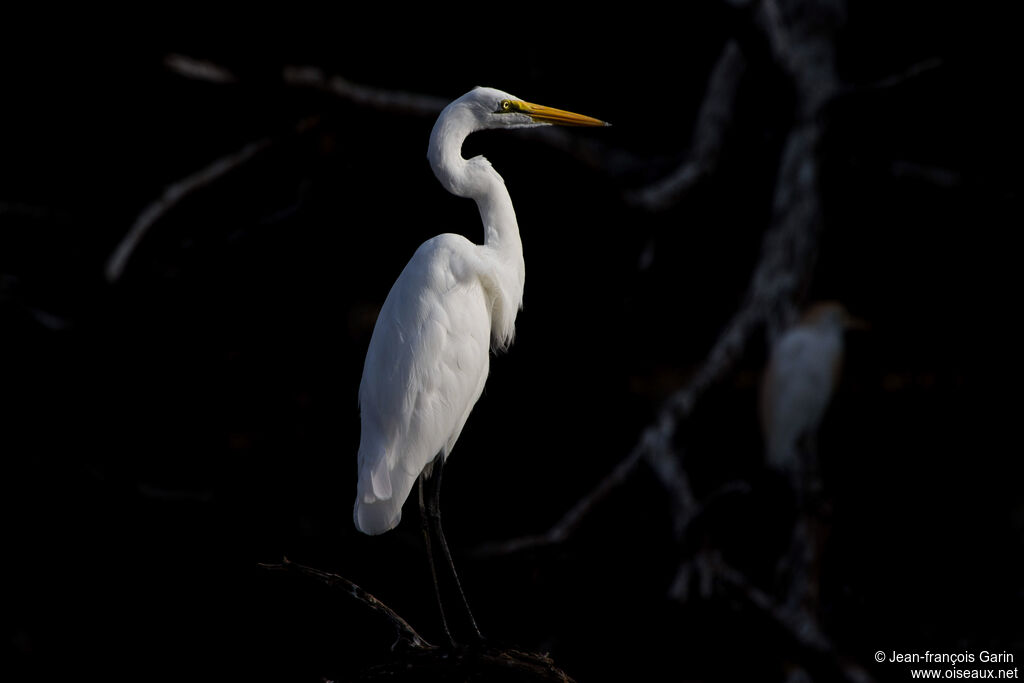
{"points": [[801, 376], [428, 357]]}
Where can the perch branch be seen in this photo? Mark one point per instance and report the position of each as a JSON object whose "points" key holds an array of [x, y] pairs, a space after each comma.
{"points": [[480, 663], [418, 660], [407, 635]]}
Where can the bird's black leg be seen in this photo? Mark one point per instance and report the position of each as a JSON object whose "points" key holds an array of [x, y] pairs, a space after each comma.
{"points": [[433, 513], [425, 523]]}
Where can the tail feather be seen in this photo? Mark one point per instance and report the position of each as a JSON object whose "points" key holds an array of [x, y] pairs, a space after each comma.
{"points": [[380, 495], [377, 517]]}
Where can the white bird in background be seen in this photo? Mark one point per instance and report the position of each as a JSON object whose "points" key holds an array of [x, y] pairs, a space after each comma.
{"points": [[428, 357], [802, 374]]}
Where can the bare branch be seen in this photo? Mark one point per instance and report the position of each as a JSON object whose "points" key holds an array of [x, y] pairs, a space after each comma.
{"points": [[310, 77], [572, 519], [378, 98], [655, 445], [171, 197], [898, 79], [932, 175], [477, 663], [31, 211], [713, 119], [198, 69], [416, 659], [800, 627], [773, 28], [407, 635], [591, 153], [711, 572], [313, 77]]}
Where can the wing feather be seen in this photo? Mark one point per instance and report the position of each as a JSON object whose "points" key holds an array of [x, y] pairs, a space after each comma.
{"points": [[425, 369]]}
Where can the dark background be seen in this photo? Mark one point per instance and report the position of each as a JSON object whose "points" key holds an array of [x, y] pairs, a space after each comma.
{"points": [[164, 434]]}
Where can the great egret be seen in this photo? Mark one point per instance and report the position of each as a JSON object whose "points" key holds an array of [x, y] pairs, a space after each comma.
{"points": [[802, 374], [428, 357]]}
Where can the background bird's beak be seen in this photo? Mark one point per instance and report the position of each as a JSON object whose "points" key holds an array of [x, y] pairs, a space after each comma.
{"points": [[851, 322], [542, 114]]}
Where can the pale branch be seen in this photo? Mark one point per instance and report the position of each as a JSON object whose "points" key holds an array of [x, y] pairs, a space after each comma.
{"points": [[713, 575], [199, 69], [572, 519], [713, 120], [407, 635], [654, 447], [397, 101], [313, 77], [172, 195], [769, 18], [478, 663], [589, 152], [202, 70], [924, 173], [797, 567], [895, 80], [32, 212], [801, 628]]}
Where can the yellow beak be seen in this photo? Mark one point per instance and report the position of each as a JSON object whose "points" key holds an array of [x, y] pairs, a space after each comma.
{"points": [[542, 114]]}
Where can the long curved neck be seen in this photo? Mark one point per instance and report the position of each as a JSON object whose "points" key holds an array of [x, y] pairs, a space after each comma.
{"points": [[475, 179]]}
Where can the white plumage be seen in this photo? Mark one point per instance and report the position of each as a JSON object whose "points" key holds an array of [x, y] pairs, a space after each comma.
{"points": [[428, 356], [425, 369], [800, 379]]}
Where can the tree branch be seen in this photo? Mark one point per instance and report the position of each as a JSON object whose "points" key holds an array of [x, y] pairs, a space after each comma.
{"points": [[913, 71], [572, 518], [397, 101], [713, 120], [482, 663], [801, 628], [199, 69], [407, 635], [173, 195], [415, 659], [313, 77]]}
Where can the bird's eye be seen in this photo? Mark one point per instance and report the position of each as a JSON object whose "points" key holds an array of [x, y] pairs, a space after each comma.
{"points": [[506, 105]]}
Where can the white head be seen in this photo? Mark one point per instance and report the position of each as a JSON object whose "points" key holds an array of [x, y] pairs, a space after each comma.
{"points": [[480, 109], [492, 108]]}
